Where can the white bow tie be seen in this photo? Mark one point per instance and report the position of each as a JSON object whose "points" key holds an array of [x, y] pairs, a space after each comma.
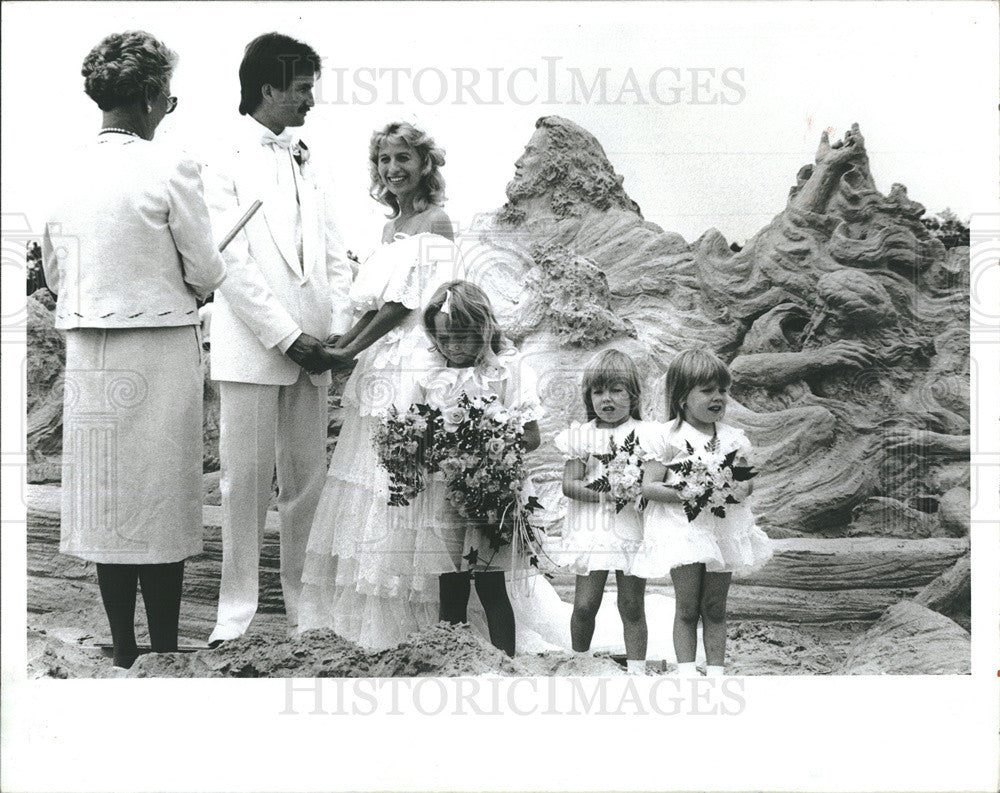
{"points": [[283, 141]]}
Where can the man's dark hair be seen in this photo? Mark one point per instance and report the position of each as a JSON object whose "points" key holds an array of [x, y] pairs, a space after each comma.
{"points": [[273, 59]]}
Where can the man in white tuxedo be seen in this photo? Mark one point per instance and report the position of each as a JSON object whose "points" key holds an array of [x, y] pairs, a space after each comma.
{"points": [[287, 292]]}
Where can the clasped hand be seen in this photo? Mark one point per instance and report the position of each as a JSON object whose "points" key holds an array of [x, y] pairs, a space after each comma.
{"points": [[315, 357]]}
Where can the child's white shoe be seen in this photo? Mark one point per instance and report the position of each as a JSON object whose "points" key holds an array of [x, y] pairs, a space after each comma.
{"points": [[636, 668], [715, 671], [687, 669]]}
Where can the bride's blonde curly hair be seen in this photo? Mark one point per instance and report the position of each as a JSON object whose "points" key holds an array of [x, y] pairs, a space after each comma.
{"points": [[431, 161]]}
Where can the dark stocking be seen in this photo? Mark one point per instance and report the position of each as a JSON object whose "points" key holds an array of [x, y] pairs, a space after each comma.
{"points": [[454, 589], [492, 593], [161, 592], [118, 583]]}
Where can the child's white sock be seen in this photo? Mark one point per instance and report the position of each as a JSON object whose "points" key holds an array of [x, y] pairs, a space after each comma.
{"points": [[715, 671], [687, 669], [636, 667]]}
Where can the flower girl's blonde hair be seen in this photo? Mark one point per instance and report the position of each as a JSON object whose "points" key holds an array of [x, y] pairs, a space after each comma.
{"points": [[469, 308], [688, 370], [612, 367]]}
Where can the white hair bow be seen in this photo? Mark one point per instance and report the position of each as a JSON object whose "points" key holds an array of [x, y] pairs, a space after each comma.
{"points": [[446, 306]]}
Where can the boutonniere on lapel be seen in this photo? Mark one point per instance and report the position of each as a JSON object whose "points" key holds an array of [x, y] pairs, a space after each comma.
{"points": [[300, 153]]}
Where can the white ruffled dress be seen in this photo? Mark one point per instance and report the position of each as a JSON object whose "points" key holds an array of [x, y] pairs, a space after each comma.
{"points": [[361, 578], [594, 536], [730, 544], [446, 538]]}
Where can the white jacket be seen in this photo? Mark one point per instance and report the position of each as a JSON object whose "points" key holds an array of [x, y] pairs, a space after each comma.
{"points": [[268, 294], [130, 244]]}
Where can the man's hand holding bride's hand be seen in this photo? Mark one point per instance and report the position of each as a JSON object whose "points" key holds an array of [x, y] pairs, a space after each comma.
{"points": [[309, 353], [339, 357]]}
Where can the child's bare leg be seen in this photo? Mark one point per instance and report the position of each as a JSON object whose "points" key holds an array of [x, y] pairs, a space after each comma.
{"points": [[453, 591], [492, 593], [632, 608], [586, 602], [714, 590], [687, 591]]}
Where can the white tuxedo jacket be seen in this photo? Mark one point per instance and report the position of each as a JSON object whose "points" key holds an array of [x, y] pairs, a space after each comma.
{"points": [[268, 294]]}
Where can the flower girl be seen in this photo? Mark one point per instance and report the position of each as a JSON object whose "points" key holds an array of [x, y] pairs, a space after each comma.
{"points": [[475, 379], [603, 526], [698, 526]]}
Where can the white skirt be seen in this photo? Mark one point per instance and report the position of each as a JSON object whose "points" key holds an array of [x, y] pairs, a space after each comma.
{"points": [[132, 445], [363, 577], [595, 537], [733, 544]]}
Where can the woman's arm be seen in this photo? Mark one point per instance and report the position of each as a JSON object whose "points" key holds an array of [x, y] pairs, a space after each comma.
{"points": [[574, 485], [653, 487], [384, 320], [191, 229], [352, 334]]}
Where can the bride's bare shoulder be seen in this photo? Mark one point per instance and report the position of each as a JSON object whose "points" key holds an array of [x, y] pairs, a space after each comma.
{"points": [[388, 231], [435, 220]]}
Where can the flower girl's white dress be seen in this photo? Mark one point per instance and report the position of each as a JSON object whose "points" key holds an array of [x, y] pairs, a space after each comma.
{"points": [[446, 540], [359, 577], [730, 544], [594, 535]]}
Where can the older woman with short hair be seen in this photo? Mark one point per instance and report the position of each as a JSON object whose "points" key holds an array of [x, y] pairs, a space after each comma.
{"points": [[128, 251]]}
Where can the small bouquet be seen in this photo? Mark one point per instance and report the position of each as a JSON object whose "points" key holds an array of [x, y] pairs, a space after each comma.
{"points": [[708, 481], [479, 450], [402, 441], [622, 478]]}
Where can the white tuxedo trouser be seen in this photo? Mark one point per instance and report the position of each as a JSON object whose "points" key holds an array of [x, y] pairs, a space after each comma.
{"points": [[260, 426]]}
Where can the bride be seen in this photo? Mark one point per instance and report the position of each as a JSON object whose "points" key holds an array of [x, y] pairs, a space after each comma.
{"points": [[359, 577], [361, 574]]}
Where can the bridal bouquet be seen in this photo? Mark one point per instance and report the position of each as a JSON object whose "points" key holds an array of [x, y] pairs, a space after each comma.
{"points": [[479, 450], [402, 441], [708, 481], [622, 478]]}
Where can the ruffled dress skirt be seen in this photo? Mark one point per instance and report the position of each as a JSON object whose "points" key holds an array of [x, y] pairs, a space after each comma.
{"points": [[595, 538], [361, 578], [732, 544]]}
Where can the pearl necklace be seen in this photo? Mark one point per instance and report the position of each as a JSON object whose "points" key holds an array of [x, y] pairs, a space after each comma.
{"points": [[122, 131]]}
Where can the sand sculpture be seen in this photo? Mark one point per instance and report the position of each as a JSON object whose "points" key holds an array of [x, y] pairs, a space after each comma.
{"points": [[844, 321]]}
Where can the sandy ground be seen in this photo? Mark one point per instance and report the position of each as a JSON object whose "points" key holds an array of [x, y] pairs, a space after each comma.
{"points": [[65, 635]]}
